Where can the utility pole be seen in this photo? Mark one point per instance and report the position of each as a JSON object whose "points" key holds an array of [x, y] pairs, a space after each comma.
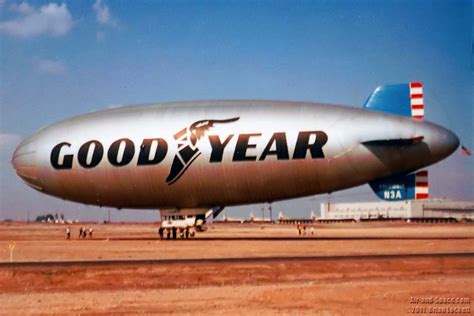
{"points": [[329, 202], [270, 209]]}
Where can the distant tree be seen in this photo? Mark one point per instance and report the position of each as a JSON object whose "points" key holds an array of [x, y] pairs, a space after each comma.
{"points": [[44, 218]]}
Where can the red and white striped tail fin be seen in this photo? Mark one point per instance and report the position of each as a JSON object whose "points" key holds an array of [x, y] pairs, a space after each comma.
{"points": [[421, 185], [416, 100]]}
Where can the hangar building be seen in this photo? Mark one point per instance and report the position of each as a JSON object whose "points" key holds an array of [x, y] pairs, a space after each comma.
{"points": [[412, 209]]}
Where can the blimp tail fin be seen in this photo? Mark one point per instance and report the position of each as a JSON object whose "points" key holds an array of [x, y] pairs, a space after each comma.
{"points": [[406, 187], [401, 99]]}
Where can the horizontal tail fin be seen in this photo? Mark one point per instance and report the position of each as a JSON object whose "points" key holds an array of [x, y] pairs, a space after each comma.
{"points": [[395, 142], [406, 187], [400, 99]]}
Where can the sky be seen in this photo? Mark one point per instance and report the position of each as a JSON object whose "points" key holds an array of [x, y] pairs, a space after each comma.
{"points": [[63, 58]]}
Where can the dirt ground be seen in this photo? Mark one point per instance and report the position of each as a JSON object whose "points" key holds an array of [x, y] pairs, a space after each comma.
{"points": [[347, 268]]}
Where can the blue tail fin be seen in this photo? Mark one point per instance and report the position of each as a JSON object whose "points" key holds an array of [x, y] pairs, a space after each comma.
{"points": [[400, 99], [406, 187]]}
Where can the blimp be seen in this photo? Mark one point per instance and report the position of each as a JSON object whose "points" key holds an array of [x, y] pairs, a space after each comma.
{"points": [[191, 159]]}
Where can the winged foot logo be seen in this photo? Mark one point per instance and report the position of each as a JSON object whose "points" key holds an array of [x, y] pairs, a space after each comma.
{"points": [[187, 140]]}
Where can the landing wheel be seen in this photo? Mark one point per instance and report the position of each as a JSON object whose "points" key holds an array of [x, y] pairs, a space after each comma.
{"points": [[160, 232], [186, 233], [168, 234], [174, 232]]}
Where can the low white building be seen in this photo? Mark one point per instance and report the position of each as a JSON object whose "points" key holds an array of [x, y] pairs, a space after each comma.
{"points": [[411, 209]]}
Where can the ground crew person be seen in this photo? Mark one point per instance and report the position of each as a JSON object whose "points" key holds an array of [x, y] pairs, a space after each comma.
{"points": [[80, 232], [90, 232], [68, 233]]}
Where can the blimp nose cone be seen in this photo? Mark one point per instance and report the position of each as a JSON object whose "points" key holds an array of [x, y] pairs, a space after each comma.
{"points": [[25, 164]]}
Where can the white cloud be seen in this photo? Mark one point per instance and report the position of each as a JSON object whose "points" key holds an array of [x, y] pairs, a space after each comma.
{"points": [[22, 8], [102, 14], [48, 66], [7, 140], [50, 19]]}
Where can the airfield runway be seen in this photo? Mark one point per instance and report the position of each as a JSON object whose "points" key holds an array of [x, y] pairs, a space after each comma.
{"points": [[347, 268]]}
